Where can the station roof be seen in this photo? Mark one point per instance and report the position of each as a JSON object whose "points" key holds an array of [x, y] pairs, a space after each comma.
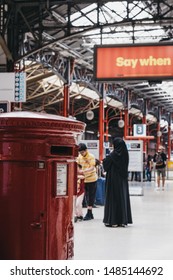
{"points": [[54, 32]]}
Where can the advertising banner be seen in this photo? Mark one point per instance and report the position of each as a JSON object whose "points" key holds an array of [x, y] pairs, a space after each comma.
{"points": [[118, 62]]}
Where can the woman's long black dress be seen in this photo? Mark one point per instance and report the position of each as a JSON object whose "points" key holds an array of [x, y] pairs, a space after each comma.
{"points": [[117, 209]]}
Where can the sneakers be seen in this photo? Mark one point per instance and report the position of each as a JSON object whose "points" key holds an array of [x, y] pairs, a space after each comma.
{"points": [[158, 189]]}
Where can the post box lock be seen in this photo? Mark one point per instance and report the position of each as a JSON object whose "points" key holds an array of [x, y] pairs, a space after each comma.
{"points": [[36, 225]]}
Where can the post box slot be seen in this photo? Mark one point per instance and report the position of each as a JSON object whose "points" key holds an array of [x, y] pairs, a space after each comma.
{"points": [[61, 150]]}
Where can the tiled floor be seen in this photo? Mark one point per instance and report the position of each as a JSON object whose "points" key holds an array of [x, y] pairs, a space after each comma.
{"points": [[150, 237]]}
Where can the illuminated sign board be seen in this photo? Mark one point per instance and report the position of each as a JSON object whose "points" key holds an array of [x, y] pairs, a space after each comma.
{"points": [[119, 62]]}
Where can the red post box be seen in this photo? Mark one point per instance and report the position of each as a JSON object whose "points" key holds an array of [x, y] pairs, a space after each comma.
{"points": [[37, 182]]}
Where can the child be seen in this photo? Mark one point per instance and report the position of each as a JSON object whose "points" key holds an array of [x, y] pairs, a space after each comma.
{"points": [[79, 198]]}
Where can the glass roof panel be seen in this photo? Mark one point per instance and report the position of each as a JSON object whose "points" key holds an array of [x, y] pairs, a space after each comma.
{"points": [[84, 17], [114, 13]]}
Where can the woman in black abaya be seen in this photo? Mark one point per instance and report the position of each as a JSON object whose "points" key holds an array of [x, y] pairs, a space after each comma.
{"points": [[117, 211]]}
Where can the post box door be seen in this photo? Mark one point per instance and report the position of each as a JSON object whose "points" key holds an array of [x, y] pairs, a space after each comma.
{"points": [[60, 242], [22, 215]]}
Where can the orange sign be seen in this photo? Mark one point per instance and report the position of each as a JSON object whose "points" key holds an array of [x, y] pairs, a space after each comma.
{"points": [[133, 62]]}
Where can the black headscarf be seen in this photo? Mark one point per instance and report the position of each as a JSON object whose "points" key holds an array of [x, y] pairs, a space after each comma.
{"points": [[120, 156]]}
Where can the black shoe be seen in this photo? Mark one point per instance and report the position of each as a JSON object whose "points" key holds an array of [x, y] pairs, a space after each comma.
{"points": [[91, 215], [87, 217], [107, 225], [75, 219]]}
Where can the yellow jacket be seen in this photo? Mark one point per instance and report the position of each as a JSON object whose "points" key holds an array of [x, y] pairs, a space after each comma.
{"points": [[86, 162]]}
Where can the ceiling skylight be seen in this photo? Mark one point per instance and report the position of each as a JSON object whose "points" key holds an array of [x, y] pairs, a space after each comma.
{"points": [[110, 15]]}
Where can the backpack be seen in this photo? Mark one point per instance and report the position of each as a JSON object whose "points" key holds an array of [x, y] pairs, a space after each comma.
{"points": [[159, 160]]}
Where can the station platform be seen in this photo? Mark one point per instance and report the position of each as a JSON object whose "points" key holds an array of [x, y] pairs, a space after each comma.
{"points": [[148, 238]]}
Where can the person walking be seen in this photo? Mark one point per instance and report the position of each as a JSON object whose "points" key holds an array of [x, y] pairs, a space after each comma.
{"points": [[87, 161], [117, 210], [160, 166]]}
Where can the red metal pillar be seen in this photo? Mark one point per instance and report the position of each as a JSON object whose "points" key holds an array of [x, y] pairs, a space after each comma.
{"points": [[158, 129], [145, 141], [126, 116], [66, 101], [169, 142], [101, 129], [144, 121], [158, 135], [107, 130], [169, 136], [107, 124], [126, 123]]}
